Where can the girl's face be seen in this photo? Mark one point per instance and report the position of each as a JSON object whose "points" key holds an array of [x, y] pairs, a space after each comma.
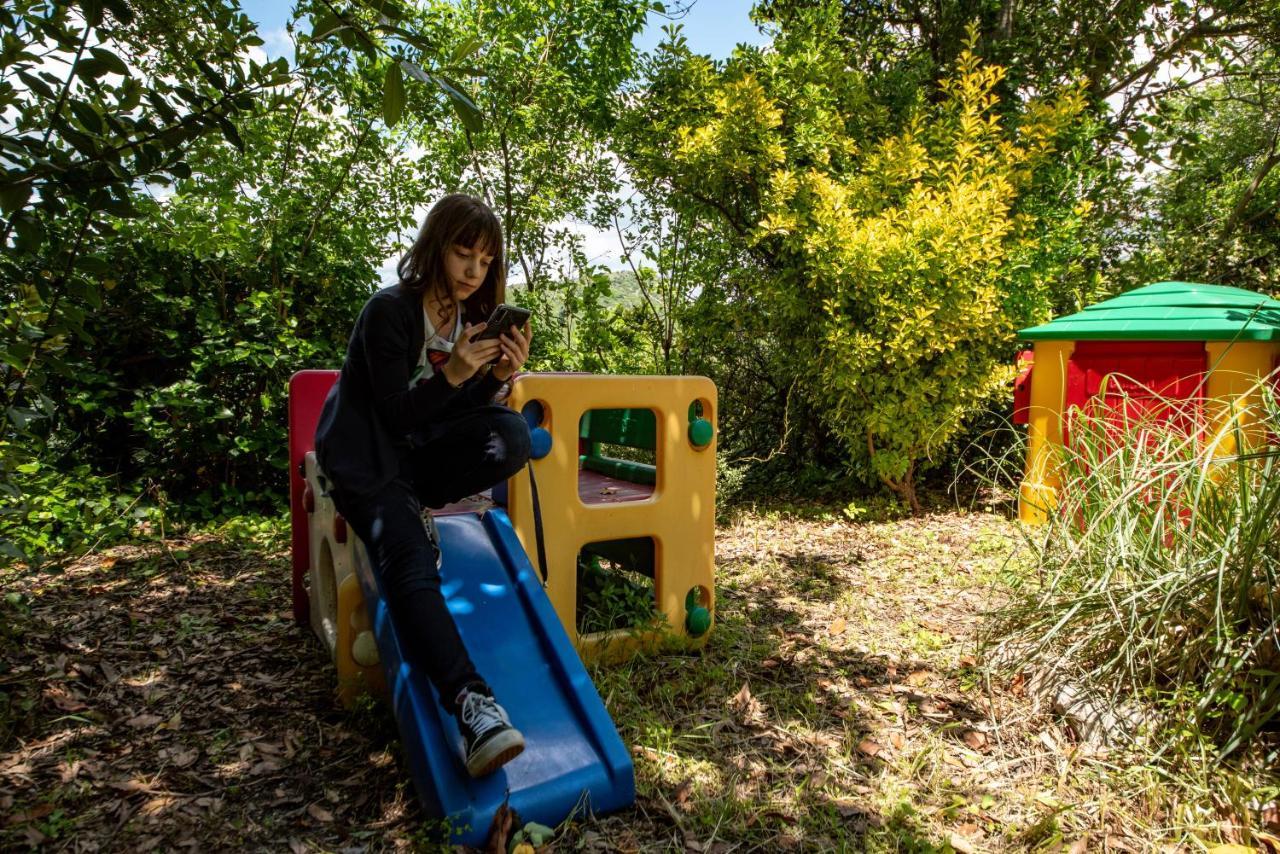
{"points": [[465, 268]]}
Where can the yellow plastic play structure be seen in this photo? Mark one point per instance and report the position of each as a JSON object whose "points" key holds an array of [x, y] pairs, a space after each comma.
{"points": [[338, 614], [591, 503], [587, 498]]}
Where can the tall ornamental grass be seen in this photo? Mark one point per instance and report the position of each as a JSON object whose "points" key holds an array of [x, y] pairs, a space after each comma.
{"points": [[1154, 582]]}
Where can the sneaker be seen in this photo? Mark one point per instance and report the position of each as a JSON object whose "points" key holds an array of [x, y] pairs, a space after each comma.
{"points": [[491, 740]]}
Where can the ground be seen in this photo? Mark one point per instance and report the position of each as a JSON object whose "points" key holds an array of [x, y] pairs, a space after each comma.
{"points": [[159, 696]]}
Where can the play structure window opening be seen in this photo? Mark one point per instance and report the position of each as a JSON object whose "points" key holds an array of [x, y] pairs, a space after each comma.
{"points": [[616, 587], [617, 455]]}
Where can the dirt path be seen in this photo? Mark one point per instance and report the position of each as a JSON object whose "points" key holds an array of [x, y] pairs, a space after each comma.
{"points": [[160, 697]]}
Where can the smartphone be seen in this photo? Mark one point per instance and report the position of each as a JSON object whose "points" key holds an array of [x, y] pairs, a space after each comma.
{"points": [[503, 318]]}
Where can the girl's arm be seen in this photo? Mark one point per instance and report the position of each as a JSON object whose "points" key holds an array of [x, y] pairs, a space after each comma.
{"points": [[385, 336]]}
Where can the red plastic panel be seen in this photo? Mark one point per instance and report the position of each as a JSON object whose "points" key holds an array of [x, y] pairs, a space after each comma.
{"points": [[1145, 378], [307, 391], [1022, 388]]}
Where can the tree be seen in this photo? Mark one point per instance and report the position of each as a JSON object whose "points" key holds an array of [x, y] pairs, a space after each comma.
{"points": [[99, 99], [895, 256]]}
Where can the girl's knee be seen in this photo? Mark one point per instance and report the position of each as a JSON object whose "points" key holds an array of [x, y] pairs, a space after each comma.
{"points": [[512, 434]]}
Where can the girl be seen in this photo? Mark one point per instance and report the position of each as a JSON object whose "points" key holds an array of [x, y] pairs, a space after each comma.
{"points": [[411, 422]]}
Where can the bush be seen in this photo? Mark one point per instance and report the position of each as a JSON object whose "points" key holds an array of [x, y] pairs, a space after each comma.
{"points": [[1155, 580]]}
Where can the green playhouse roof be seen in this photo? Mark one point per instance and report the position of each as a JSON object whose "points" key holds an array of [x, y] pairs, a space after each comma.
{"points": [[1170, 311]]}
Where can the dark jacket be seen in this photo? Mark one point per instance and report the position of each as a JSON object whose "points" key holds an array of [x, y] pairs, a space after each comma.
{"points": [[371, 412]]}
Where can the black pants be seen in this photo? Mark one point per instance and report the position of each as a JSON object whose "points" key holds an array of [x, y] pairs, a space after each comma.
{"points": [[456, 457]]}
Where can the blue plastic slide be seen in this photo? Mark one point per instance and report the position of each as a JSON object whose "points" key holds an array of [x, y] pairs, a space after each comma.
{"points": [[574, 759]]}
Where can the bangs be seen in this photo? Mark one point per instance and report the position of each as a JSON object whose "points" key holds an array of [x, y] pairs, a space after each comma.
{"points": [[479, 230]]}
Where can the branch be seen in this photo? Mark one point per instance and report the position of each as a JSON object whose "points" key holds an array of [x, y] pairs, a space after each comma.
{"points": [[1200, 29]]}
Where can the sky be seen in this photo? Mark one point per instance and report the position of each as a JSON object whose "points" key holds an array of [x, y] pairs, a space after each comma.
{"points": [[712, 27]]}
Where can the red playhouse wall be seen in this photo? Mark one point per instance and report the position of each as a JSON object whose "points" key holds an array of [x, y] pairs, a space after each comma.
{"points": [[307, 391], [1145, 376]]}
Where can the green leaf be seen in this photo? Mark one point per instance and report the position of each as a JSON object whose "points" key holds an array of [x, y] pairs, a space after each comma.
{"points": [[122, 208], [82, 143], [92, 12], [35, 84], [90, 68], [120, 8], [30, 233], [468, 112], [87, 115], [326, 24], [219, 82], [465, 50], [93, 265], [14, 197], [393, 95], [113, 63], [232, 135]]}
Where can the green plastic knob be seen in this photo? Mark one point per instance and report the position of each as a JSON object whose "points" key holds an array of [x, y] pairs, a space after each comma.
{"points": [[698, 621], [700, 432]]}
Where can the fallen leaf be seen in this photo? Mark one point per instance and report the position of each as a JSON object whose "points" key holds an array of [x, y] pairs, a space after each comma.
{"points": [[976, 740], [141, 721], [961, 844], [681, 797], [869, 747], [837, 626], [917, 677], [1047, 799], [897, 740], [183, 758], [112, 675], [319, 813], [66, 701], [505, 820]]}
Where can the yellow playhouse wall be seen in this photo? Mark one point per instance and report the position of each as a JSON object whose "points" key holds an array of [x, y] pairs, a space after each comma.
{"points": [[1233, 389], [679, 517], [1044, 429]]}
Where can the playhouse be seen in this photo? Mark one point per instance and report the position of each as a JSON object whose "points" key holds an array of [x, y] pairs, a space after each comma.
{"points": [[1207, 346], [623, 474]]}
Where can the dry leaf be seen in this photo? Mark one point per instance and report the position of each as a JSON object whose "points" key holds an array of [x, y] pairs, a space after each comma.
{"points": [[897, 740], [319, 813], [183, 758], [976, 740], [681, 797], [961, 844], [141, 721], [869, 747], [67, 701], [917, 677], [837, 626]]}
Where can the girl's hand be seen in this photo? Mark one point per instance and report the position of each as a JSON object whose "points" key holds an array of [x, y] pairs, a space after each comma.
{"points": [[469, 356], [515, 351]]}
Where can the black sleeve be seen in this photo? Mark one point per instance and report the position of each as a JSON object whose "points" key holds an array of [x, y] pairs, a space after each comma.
{"points": [[384, 332], [481, 391]]}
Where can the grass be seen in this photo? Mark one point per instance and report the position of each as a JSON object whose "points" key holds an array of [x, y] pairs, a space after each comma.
{"points": [[1156, 583], [839, 705]]}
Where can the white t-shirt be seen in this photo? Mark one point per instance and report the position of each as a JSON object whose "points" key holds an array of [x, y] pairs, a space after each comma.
{"points": [[436, 349]]}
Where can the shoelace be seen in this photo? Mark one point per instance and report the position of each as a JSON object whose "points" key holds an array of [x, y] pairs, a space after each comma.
{"points": [[482, 713]]}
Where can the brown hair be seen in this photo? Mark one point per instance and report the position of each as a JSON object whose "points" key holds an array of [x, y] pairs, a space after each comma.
{"points": [[462, 220]]}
